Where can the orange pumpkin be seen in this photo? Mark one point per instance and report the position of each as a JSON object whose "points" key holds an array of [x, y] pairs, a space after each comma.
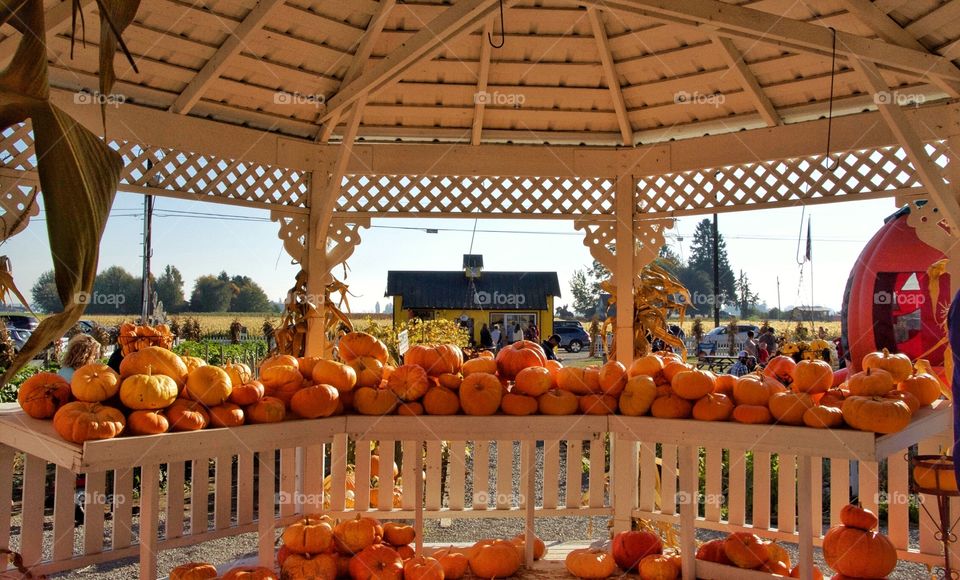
{"points": [[788, 407], [648, 365], [817, 574], [912, 401], [671, 407], [519, 405], [574, 379], [724, 384], [558, 402], [305, 365], [590, 563], [539, 546], [692, 384], [522, 354], [713, 407], [315, 401], [453, 562], [338, 375], [352, 536], [637, 396], [858, 517], [598, 405], [148, 391], [192, 362], [713, 551], [187, 415], [480, 365], [281, 381], [422, 568], [266, 410], [672, 368], [409, 382], [368, 401], [247, 394], [435, 359], [279, 360], [779, 554], [752, 414], [377, 562], [658, 567], [303, 566], [876, 414], [859, 553], [78, 421], [397, 534], [898, 365], [369, 371], [209, 385], [533, 381], [43, 394], [822, 417], [406, 552], [413, 409], [450, 380], [755, 389], [441, 401], [154, 360], [94, 383], [311, 534], [494, 559], [193, 571], [239, 373], [924, 386], [356, 344], [781, 369], [226, 415], [746, 550], [834, 397], [147, 422], [812, 376], [871, 382], [250, 573], [480, 394], [613, 378]]}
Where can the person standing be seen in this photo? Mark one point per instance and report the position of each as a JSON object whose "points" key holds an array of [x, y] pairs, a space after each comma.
{"points": [[486, 339], [768, 338], [751, 346], [495, 336], [509, 334], [532, 333], [517, 333]]}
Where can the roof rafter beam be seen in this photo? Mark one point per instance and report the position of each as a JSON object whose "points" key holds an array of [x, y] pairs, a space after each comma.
{"points": [[610, 73], [483, 76], [927, 171], [888, 29], [737, 22], [55, 18], [463, 17], [210, 72], [738, 66], [934, 20], [360, 58]]}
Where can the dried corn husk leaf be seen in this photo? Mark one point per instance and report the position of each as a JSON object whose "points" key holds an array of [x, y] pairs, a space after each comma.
{"points": [[291, 333], [657, 294], [7, 286], [115, 17]]}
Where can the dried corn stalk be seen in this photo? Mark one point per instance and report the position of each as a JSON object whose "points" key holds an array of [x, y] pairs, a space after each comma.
{"points": [[291, 333], [658, 293]]}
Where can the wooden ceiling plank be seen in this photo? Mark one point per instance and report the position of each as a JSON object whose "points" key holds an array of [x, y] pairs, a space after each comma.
{"points": [[933, 21], [483, 76], [463, 17], [747, 80], [610, 73], [55, 19], [927, 171], [737, 22], [360, 58], [230, 47], [888, 29]]}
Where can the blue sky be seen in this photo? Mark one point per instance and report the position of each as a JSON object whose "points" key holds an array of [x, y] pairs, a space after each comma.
{"points": [[761, 243]]}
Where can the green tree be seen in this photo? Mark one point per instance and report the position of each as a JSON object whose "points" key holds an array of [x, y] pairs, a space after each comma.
{"points": [[250, 297], [115, 291], [44, 293], [746, 299], [169, 289], [211, 294], [585, 288], [699, 276]]}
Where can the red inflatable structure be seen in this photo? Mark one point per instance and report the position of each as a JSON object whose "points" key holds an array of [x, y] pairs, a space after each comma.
{"points": [[887, 302]]}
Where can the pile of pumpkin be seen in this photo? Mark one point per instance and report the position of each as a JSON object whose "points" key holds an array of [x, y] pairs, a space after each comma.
{"points": [[638, 551], [853, 549], [133, 337]]}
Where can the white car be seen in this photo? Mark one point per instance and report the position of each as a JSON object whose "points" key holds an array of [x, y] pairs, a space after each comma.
{"points": [[717, 341]]}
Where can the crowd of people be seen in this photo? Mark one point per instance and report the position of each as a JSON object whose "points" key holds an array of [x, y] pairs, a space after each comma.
{"points": [[495, 338]]}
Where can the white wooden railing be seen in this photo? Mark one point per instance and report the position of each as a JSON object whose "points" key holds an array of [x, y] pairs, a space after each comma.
{"points": [[213, 484]]}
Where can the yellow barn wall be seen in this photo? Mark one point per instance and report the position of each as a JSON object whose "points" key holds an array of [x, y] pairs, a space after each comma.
{"points": [[545, 317]]}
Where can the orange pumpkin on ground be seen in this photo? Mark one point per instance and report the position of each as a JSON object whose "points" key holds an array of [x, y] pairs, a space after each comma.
{"points": [[494, 559], [713, 407], [315, 401], [94, 383], [226, 415], [522, 354], [435, 359], [648, 365], [812, 376], [637, 396], [898, 365], [859, 553], [629, 548], [266, 410], [408, 382], [658, 567], [788, 407], [79, 421], [877, 414], [558, 402], [377, 562], [249, 573], [780, 368], [752, 414], [533, 381], [369, 371], [193, 571], [43, 394], [613, 378], [311, 534], [692, 384], [357, 344], [319, 566], [671, 407], [369, 401], [209, 385], [746, 550], [453, 562], [187, 415], [539, 546], [247, 394], [480, 394], [871, 382], [590, 563], [821, 417], [441, 401], [423, 568], [337, 375], [519, 405], [154, 360], [598, 405], [147, 422]]}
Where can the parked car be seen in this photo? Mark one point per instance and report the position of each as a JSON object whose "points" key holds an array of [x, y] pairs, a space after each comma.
{"points": [[573, 337], [19, 327], [718, 340]]}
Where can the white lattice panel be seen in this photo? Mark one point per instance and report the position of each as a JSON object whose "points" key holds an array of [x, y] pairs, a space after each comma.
{"points": [[789, 180], [190, 173], [432, 194]]}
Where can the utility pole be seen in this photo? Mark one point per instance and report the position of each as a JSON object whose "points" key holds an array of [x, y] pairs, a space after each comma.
{"points": [[147, 254], [778, 298], [716, 273]]}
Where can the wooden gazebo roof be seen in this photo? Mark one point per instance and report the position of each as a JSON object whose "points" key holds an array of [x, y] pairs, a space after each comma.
{"points": [[597, 72]]}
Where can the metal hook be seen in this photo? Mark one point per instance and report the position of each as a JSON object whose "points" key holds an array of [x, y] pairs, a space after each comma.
{"points": [[503, 38]]}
